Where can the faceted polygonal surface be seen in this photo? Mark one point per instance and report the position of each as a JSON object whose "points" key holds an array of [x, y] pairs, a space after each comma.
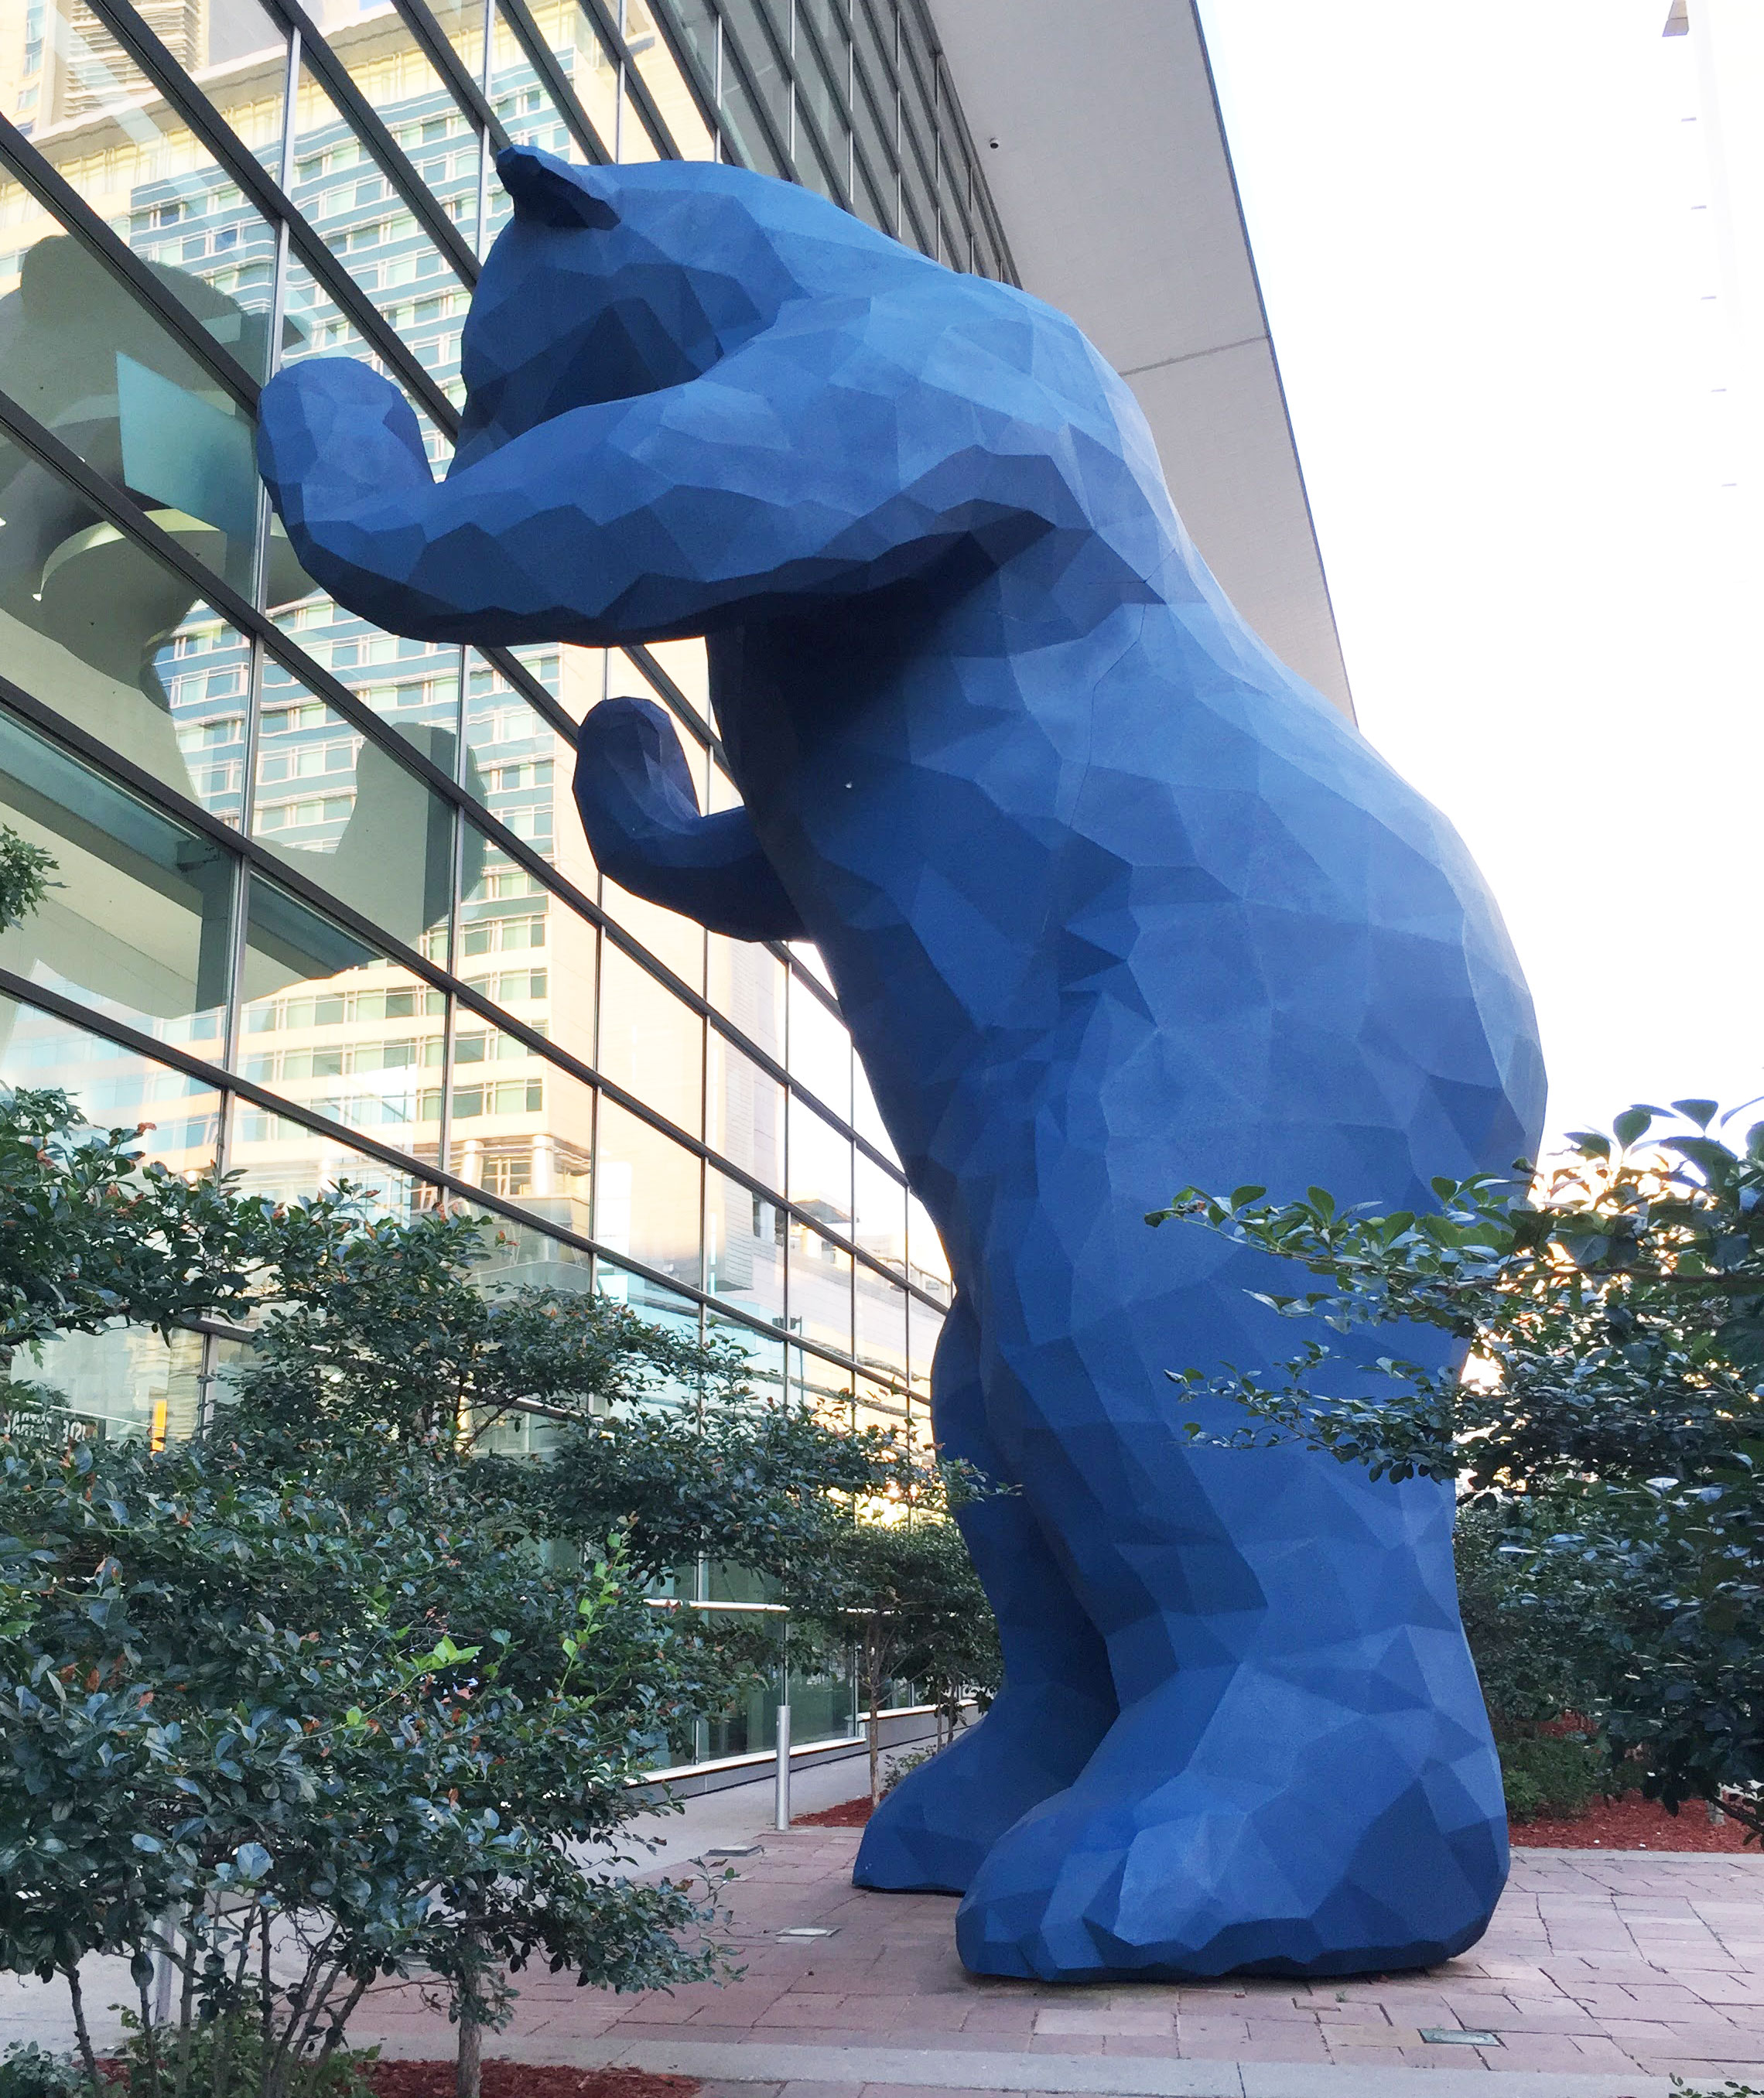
{"points": [[1114, 904]]}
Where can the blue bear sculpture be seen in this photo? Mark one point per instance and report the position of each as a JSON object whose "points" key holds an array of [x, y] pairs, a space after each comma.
{"points": [[1113, 903]]}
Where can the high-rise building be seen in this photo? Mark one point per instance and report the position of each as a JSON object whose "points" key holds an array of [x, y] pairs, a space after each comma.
{"points": [[324, 911]]}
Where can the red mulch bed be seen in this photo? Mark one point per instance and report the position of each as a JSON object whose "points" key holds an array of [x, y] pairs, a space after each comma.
{"points": [[848, 1814], [1633, 1823], [1630, 1824], [525, 2080]]}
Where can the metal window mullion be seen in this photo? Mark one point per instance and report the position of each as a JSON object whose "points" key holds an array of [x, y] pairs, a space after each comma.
{"points": [[182, 95], [613, 42], [543, 60], [359, 113], [91, 1021], [467, 92], [63, 202], [729, 54], [688, 68], [842, 176]]}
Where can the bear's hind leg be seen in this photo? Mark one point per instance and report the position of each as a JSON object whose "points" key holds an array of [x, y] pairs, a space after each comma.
{"points": [[932, 1832]]}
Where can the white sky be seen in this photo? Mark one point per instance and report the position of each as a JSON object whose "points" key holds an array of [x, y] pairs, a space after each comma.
{"points": [[1486, 280]]}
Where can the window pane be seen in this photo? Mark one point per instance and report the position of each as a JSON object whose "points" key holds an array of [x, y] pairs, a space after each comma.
{"points": [[927, 1266], [881, 1336], [462, 23], [411, 686], [648, 1201], [820, 1050], [521, 770], [521, 1128], [820, 1169], [744, 1248], [820, 1290], [866, 1117], [338, 1028], [661, 75], [747, 1112], [348, 815], [81, 355], [117, 642], [747, 985], [524, 948], [139, 927], [77, 83], [277, 1156], [111, 1086], [879, 1224], [650, 1044], [924, 1326], [411, 99]]}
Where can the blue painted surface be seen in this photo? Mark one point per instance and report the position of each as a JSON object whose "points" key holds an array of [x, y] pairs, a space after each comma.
{"points": [[1114, 903]]}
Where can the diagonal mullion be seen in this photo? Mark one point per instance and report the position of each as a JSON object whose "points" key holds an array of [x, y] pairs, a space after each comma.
{"points": [[687, 66], [58, 196], [196, 111], [543, 60], [468, 93], [606, 28], [391, 157]]}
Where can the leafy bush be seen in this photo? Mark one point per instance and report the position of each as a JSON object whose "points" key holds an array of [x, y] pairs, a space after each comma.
{"points": [[29, 2071], [1556, 1775], [1615, 1318]]}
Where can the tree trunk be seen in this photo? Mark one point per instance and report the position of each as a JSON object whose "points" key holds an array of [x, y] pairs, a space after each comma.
{"points": [[82, 2031], [468, 2063]]}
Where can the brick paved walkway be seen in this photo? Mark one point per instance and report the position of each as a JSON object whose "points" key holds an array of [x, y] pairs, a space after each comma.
{"points": [[1601, 1973]]}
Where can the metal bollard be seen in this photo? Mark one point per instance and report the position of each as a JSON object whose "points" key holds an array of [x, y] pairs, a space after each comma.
{"points": [[781, 1780]]}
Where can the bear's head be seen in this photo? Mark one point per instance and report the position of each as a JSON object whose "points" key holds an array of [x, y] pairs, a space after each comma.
{"points": [[615, 281]]}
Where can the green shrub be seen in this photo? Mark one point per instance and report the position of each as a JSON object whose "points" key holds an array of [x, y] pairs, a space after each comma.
{"points": [[1555, 1776], [29, 2071], [225, 2057]]}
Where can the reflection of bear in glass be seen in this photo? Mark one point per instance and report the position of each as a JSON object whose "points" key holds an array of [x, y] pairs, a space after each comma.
{"points": [[1113, 904]]}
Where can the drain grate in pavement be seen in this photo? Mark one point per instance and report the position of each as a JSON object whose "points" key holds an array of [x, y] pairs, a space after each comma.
{"points": [[811, 1930], [1459, 2036], [732, 1850]]}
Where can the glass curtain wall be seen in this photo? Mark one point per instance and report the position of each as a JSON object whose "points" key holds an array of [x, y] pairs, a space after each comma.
{"points": [[326, 910]]}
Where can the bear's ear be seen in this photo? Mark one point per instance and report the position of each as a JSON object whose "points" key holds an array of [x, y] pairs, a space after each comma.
{"points": [[549, 192]]}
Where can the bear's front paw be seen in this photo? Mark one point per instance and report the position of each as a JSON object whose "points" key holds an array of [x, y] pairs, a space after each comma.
{"points": [[332, 433]]}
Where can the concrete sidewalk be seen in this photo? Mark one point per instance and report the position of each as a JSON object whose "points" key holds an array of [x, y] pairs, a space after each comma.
{"points": [[1603, 1973]]}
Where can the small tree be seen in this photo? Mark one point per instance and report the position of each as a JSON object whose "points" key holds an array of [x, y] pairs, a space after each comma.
{"points": [[1611, 1410], [901, 1593]]}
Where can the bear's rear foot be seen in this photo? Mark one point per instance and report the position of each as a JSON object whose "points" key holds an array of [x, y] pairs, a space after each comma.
{"points": [[1375, 1843], [931, 1832]]}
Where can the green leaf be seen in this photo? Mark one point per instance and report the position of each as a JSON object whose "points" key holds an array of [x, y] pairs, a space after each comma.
{"points": [[1633, 1123], [1702, 1112]]}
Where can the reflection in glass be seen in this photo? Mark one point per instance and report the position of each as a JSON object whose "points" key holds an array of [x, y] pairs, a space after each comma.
{"points": [[411, 686], [77, 89], [820, 1050], [650, 1044], [744, 1234], [746, 1107], [343, 1031], [279, 1157], [648, 1195], [117, 642], [139, 927], [521, 1127], [345, 813], [388, 66], [928, 1267], [820, 1287], [123, 1380], [820, 1168], [673, 99]]}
